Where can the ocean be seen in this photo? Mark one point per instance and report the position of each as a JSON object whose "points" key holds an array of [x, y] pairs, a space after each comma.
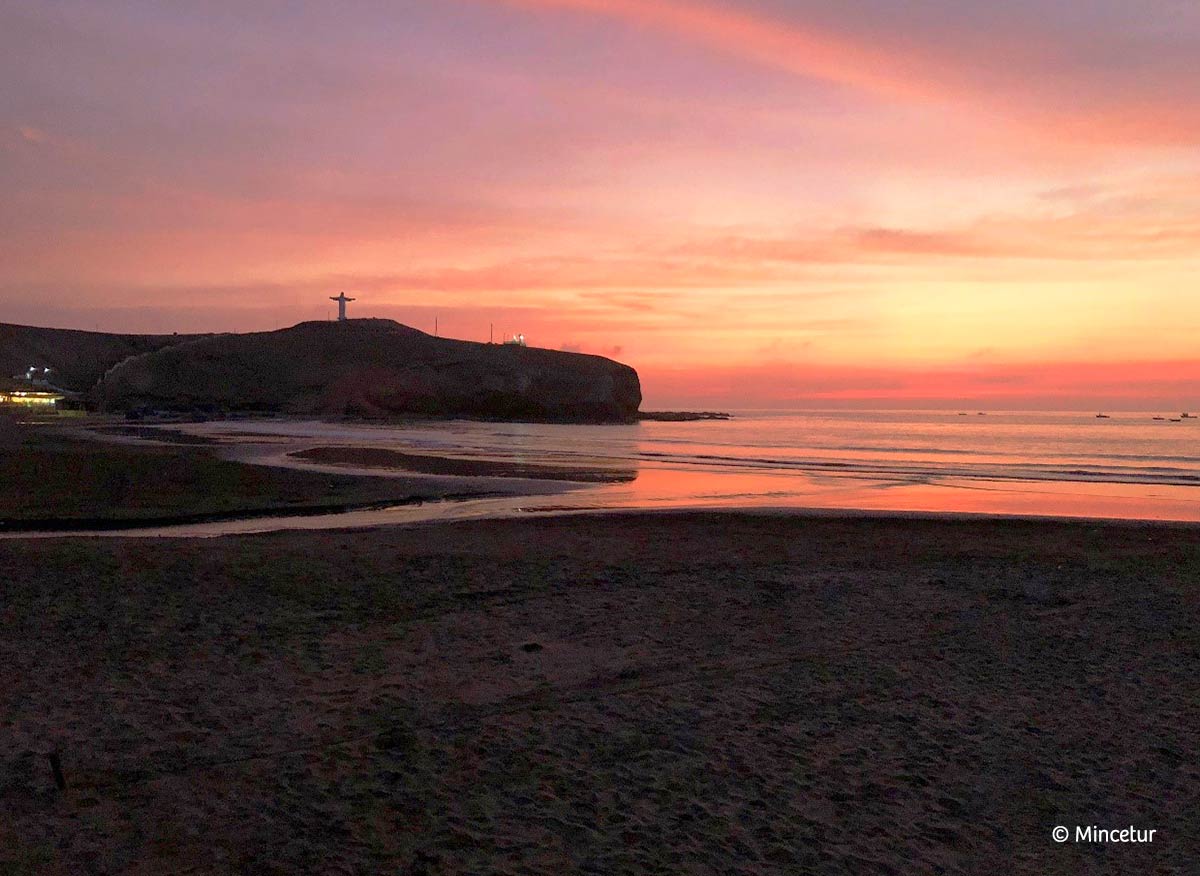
{"points": [[1071, 464]]}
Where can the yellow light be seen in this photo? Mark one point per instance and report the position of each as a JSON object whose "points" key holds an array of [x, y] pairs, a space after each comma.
{"points": [[28, 398]]}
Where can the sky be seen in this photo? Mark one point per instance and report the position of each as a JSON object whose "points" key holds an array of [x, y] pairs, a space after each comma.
{"points": [[756, 203]]}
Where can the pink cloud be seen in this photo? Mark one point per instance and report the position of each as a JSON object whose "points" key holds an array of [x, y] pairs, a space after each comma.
{"points": [[1028, 81]]}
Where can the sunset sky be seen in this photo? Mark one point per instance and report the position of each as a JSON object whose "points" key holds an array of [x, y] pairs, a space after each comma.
{"points": [[754, 203]]}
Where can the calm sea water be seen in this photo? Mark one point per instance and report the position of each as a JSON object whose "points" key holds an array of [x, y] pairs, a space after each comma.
{"points": [[1072, 464]]}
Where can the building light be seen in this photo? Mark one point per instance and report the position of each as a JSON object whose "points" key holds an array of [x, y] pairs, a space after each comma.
{"points": [[20, 397]]}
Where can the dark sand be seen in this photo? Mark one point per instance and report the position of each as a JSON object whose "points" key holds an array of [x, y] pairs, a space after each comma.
{"points": [[52, 476], [381, 457], [697, 693]]}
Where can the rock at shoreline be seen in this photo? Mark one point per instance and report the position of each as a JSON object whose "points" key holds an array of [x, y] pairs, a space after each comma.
{"points": [[682, 416], [372, 368]]}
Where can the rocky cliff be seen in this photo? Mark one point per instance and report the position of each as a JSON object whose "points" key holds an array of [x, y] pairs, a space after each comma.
{"points": [[371, 368]]}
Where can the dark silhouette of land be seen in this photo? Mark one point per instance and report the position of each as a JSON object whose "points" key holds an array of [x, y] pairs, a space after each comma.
{"points": [[373, 368], [77, 359]]}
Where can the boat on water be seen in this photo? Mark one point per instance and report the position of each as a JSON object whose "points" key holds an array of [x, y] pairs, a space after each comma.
{"points": [[1186, 416], [1176, 420], [1158, 418], [1102, 417]]}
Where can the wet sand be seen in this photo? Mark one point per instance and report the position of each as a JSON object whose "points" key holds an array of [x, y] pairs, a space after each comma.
{"points": [[634, 693], [368, 458]]}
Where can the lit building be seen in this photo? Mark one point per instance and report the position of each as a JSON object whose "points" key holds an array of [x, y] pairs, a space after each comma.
{"points": [[30, 393], [32, 398]]}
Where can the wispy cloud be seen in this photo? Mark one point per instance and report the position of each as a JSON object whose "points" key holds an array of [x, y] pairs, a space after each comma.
{"points": [[1048, 85], [790, 47]]}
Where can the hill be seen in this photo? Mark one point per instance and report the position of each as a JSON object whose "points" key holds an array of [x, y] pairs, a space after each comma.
{"points": [[371, 368], [78, 359]]}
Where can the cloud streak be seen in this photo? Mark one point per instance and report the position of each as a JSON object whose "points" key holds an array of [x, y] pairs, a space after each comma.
{"points": [[803, 51], [1031, 81]]}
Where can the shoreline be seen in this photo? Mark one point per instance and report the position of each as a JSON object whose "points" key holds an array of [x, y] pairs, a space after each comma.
{"points": [[380, 458], [414, 488], [83, 525], [271, 521], [75, 481]]}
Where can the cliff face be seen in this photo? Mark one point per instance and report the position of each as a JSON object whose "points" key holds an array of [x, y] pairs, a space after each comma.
{"points": [[372, 367], [78, 359]]}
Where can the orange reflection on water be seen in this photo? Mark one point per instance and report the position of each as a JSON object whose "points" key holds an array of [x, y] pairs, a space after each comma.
{"points": [[668, 487]]}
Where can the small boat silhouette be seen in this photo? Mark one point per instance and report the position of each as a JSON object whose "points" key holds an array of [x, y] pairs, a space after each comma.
{"points": [[1158, 418], [1102, 416]]}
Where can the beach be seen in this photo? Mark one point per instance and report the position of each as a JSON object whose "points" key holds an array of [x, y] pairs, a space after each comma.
{"points": [[627, 693], [600, 438], [159, 480]]}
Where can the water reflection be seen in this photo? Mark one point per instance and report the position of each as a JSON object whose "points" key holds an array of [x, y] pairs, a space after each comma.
{"points": [[1061, 465]]}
